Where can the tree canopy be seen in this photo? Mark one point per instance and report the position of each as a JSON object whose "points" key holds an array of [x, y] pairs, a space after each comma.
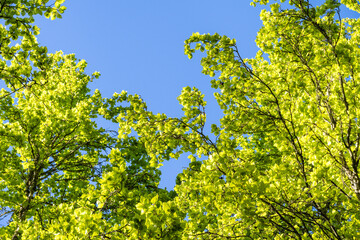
{"points": [[282, 164]]}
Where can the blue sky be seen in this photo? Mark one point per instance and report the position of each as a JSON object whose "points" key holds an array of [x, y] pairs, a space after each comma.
{"points": [[138, 46]]}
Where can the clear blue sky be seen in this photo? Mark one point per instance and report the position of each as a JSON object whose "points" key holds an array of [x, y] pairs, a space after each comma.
{"points": [[137, 46]]}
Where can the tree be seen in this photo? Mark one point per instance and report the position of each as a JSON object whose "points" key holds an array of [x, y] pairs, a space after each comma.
{"points": [[282, 164], [62, 176], [285, 160]]}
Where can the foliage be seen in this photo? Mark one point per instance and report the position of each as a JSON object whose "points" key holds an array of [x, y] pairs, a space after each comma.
{"points": [[63, 177], [282, 164]]}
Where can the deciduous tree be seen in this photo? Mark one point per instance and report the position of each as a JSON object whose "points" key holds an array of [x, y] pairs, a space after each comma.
{"points": [[285, 160], [62, 176]]}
